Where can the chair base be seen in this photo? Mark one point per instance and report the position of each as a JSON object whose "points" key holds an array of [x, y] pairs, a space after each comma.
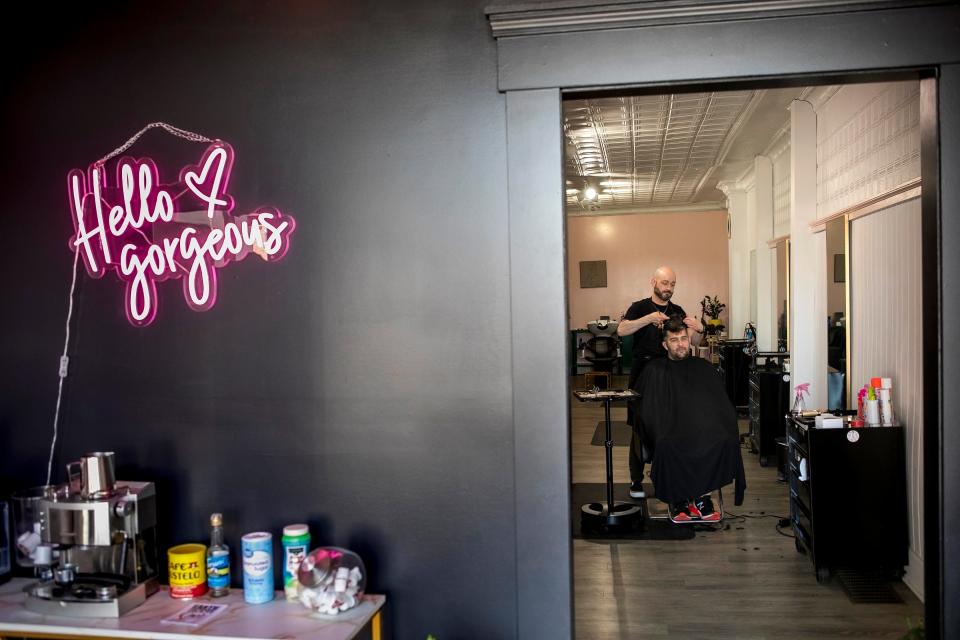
{"points": [[623, 515]]}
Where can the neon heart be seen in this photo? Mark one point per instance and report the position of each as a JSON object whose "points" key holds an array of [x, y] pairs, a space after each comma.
{"points": [[215, 155]]}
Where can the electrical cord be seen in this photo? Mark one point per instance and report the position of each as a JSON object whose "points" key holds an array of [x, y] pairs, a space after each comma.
{"points": [[759, 515], [64, 359], [781, 520]]}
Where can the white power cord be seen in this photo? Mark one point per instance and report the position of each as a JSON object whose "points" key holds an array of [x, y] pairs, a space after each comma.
{"points": [[64, 359]]}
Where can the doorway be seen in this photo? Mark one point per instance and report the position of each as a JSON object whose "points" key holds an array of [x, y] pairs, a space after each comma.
{"points": [[545, 50], [628, 178]]}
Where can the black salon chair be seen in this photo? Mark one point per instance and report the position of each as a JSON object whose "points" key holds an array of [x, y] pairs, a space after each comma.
{"points": [[602, 350], [660, 511]]}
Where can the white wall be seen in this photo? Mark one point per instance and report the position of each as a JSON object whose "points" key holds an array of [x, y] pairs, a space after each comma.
{"points": [[763, 285], [739, 204], [781, 189], [694, 244], [808, 328], [868, 142], [886, 338]]}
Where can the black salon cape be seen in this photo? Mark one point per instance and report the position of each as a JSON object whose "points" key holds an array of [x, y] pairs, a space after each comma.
{"points": [[691, 425]]}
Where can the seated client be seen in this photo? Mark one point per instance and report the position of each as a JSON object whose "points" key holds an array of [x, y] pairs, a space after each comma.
{"points": [[690, 425]]}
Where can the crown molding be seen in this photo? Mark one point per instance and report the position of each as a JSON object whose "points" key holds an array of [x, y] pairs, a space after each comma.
{"points": [[779, 143], [695, 207], [822, 96], [560, 16], [901, 193]]}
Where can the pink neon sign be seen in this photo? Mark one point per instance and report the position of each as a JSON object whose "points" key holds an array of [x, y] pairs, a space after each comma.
{"points": [[147, 232]]}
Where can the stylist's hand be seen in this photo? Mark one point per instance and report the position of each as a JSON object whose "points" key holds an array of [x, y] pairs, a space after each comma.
{"points": [[693, 323], [656, 318]]}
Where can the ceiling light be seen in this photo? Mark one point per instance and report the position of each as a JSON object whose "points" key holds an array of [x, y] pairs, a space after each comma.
{"points": [[589, 193]]}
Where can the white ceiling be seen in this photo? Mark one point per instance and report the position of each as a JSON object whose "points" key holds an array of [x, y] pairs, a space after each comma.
{"points": [[660, 152]]}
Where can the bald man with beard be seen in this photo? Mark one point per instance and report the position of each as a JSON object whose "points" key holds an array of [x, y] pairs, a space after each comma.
{"points": [[643, 321]]}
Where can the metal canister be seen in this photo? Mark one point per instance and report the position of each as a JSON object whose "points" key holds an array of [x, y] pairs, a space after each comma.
{"points": [[257, 551], [187, 570]]}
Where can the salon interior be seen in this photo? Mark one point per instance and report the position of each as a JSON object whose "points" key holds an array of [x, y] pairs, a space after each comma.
{"points": [[789, 215], [367, 264]]}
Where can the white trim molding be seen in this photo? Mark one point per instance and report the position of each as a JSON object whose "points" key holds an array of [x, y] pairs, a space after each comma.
{"points": [[540, 18], [906, 191]]}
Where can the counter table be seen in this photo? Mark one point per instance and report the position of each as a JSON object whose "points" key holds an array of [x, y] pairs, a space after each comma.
{"points": [[241, 621]]}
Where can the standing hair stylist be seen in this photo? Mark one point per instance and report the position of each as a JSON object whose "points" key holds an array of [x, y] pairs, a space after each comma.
{"points": [[643, 321]]}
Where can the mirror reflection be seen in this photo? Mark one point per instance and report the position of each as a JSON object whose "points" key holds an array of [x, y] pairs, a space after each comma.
{"points": [[837, 321], [783, 294]]}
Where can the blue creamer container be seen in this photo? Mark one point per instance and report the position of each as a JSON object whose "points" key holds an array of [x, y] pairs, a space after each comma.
{"points": [[257, 551]]}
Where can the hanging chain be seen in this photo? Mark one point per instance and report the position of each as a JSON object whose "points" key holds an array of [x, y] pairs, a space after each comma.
{"points": [[169, 128]]}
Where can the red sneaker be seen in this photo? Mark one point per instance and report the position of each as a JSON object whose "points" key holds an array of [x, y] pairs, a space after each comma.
{"points": [[704, 505], [680, 512], [694, 510]]}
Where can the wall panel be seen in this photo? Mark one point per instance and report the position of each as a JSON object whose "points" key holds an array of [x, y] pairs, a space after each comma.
{"points": [[886, 338], [868, 142]]}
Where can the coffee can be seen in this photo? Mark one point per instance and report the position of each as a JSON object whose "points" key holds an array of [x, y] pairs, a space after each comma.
{"points": [[187, 570], [257, 551]]}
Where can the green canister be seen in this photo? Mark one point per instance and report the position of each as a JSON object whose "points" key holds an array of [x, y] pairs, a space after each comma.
{"points": [[296, 544]]}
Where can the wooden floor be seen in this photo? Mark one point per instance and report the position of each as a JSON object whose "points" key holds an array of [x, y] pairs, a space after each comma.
{"points": [[746, 581]]}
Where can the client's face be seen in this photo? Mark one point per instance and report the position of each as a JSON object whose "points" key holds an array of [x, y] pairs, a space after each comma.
{"points": [[677, 345]]}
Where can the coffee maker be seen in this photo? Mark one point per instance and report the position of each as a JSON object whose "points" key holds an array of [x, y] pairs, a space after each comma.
{"points": [[98, 551]]}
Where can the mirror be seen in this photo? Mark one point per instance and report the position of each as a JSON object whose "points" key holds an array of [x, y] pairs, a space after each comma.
{"points": [[838, 313], [783, 294]]}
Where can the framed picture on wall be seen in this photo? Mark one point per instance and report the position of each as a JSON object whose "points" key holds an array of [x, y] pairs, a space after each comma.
{"points": [[839, 267], [593, 274]]}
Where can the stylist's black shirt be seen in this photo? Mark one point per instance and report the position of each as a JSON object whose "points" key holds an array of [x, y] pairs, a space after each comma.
{"points": [[647, 342]]}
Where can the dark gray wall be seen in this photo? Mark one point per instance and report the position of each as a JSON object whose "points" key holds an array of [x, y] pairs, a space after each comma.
{"points": [[363, 383]]}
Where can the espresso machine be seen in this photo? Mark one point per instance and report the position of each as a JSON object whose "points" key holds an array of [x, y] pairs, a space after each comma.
{"points": [[97, 555]]}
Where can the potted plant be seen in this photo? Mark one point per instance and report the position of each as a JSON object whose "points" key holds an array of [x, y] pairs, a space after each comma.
{"points": [[710, 314]]}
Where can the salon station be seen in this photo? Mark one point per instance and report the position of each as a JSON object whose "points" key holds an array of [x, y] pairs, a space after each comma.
{"points": [[509, 320]]}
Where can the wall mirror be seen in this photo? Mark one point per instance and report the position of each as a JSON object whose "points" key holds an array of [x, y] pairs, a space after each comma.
{"points": [[838, 313], [783, 294]]}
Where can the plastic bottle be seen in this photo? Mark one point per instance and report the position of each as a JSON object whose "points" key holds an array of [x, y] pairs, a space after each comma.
{"points": [[798, 404], [296, 544], [871, 408], [218, 559], [885, 396]]}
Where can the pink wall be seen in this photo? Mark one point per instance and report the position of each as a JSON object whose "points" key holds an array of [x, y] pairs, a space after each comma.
{"points": [[693, 244]]}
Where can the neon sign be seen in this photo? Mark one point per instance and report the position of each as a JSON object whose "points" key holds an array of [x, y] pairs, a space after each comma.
{"points": [[147, 232]]}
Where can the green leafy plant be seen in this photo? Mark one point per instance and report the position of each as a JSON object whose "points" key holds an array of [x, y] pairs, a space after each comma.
{"points": [[914, 632], [712, 307]]}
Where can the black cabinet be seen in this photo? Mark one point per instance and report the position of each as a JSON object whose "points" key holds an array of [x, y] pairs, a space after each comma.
{"points": [[848, 497], [769, 403], [734, 367]]}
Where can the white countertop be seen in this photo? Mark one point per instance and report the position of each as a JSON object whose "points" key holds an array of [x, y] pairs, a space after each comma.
{"points": [[241, 621]]}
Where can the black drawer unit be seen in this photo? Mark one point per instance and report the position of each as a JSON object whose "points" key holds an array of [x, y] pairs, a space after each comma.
{"points": [[769, 403], [848, 497]]}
